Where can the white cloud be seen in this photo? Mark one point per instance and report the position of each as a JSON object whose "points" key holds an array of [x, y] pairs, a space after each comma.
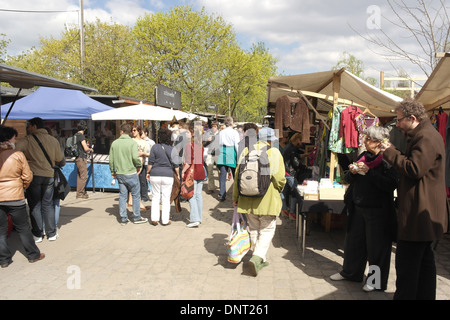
{"points": [[306, 36]]}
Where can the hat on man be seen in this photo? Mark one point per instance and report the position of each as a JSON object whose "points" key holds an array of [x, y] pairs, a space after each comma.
{"points": [[267, 134]]}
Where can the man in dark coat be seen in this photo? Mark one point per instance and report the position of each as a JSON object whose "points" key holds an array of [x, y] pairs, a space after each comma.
{"points": [[422, 208]]}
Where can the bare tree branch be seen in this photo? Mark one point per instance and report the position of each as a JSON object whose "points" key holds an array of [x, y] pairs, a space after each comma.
{"points": [[426, 24]]}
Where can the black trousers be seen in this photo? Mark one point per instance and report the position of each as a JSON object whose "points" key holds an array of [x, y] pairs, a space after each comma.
{"points": [[367, 240], [416, 271], [19, 218]]}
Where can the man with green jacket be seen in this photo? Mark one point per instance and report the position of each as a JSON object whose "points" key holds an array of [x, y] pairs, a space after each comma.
{"points": [[125, 165], [262, 212]]}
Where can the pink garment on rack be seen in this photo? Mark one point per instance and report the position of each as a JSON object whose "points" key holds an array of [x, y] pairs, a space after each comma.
{"points": [[348, 126], [442, 119]]}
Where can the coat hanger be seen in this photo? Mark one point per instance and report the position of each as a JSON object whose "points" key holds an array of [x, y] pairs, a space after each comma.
{"points": [[367, 111], [293, 93]]}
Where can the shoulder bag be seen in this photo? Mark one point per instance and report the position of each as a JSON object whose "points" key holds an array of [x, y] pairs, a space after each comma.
{"points": [[61, 186], [175, 187]]}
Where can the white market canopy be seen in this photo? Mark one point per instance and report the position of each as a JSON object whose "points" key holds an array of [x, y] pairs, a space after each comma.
{"points": [[338, 86], [436, 90], [142, 112]]}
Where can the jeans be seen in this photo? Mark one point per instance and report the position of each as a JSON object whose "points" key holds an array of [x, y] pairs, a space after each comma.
{"points": [[161, 191], [19, 218], [129, 183], [196, 202], [144, 184], [287, 196], [223, 171], [42, 209], [57, 204]]}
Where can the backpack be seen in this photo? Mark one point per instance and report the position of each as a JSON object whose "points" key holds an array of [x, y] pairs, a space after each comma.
{"points": [[71, 149], [254, 177]]}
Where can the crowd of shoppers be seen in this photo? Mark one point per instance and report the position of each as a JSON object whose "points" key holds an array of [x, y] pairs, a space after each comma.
{"points": [[415, 221]]}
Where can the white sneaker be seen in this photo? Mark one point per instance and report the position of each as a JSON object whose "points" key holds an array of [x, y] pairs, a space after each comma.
{"points": [[37, 239], [337, 277], [368, 288], [193, 224], [56, 236]]}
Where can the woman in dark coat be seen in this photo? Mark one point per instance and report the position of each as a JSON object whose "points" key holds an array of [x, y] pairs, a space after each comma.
{"points": [[371, 221]]}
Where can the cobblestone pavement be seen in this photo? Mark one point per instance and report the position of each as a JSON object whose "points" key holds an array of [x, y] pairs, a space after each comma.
{"points": [[97, 258]]}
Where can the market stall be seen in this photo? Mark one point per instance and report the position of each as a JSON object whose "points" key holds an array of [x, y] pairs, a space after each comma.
{"points": [[61, 109], [314, 104]]}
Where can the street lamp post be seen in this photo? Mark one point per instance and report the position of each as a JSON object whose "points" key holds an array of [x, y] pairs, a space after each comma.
{"points": [[229, 102], [82, 38]]}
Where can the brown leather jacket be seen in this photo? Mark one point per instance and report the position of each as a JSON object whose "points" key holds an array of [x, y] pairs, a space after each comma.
{"points": [[15, 175]]}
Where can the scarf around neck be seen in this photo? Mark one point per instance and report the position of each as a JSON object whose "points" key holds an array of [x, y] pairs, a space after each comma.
{"points": [[372, 161]]}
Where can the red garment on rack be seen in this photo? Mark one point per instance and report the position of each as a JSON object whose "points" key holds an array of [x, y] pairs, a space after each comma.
{"points": [[348, 126], [442, 119]]}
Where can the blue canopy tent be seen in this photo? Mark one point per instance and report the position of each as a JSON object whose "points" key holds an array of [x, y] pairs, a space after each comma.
{"points": [[54, 104]]}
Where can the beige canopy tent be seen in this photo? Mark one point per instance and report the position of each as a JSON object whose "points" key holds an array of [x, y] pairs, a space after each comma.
{"points": [[436, 90], [335, 87]]}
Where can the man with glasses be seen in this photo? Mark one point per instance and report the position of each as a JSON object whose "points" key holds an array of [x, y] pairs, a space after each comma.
{"points": [[40, 192], [422, 201], [125, 165]]}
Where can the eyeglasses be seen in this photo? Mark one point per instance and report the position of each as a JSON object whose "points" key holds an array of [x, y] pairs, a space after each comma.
{"points": [[400, 119], [370, 139]]}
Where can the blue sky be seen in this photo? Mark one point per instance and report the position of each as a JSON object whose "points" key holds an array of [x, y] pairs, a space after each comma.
{"points": [[305, 35]]}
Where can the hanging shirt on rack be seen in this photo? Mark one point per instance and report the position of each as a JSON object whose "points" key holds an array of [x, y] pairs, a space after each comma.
{"points": [[292, 113], [348, 126], [364, 121], [336, 141], [442, 119], [434, 120]]}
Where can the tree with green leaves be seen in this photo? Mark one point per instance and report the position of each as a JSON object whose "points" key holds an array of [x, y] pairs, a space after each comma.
{"points": [[3, 45], [197, 54], [190, 51], [354, 66], [109, 60]]}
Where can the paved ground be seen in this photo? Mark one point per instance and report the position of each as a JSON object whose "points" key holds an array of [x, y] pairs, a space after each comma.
{"points": [[97, 258]]}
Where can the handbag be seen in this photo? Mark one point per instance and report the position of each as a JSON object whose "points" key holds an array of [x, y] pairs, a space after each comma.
{"points": [[187, 186], [239, 242], [176, 186], [61, 186]]}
